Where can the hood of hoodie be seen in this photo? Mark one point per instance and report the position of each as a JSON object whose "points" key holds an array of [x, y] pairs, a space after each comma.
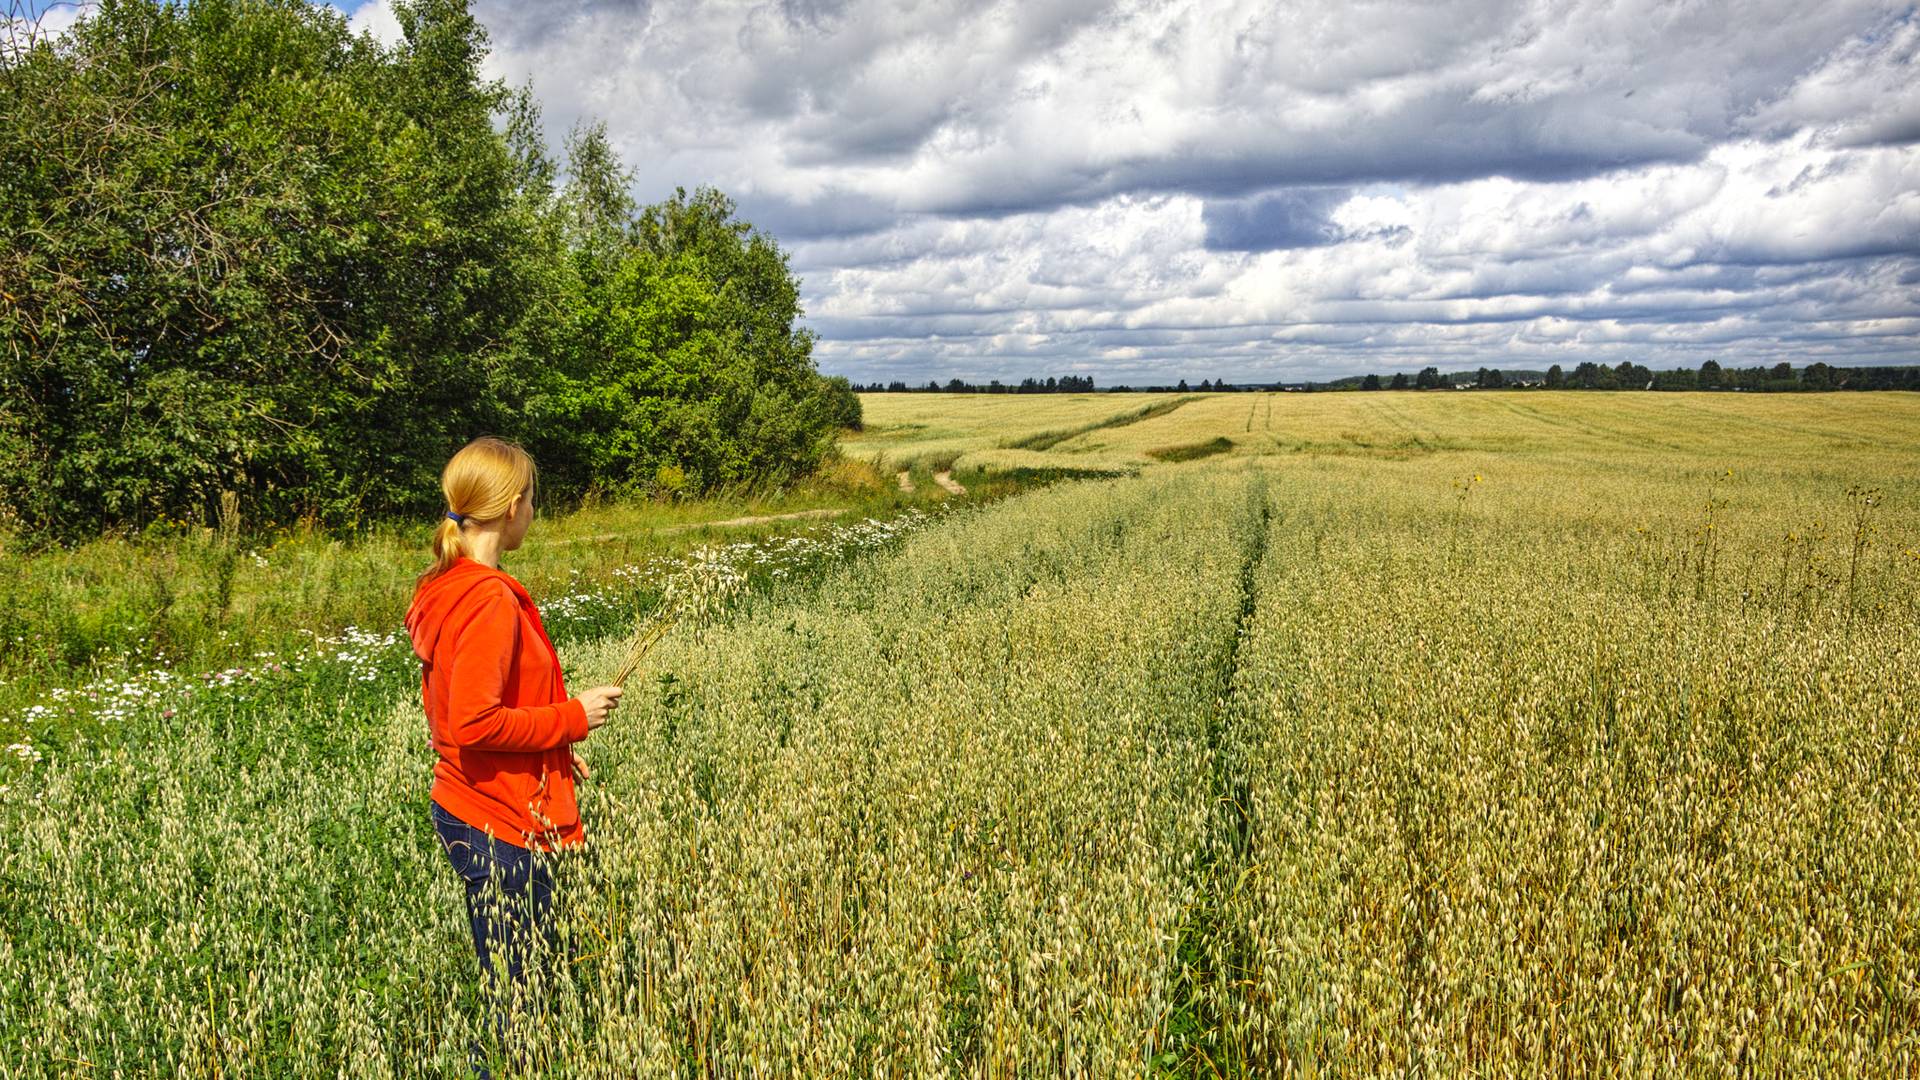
{"points": [[435, 600]]}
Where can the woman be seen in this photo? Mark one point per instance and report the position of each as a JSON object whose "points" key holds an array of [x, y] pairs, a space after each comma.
{"points": [[498, 713]]}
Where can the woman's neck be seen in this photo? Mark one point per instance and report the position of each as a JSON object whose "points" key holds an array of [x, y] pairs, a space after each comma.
{"points": [[482, 546]]}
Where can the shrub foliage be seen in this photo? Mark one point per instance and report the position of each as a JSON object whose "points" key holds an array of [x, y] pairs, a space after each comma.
{"points": [[243, 249]]}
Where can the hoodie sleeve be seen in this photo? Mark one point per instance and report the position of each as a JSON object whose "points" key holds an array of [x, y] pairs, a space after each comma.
{"points": [[476, 718]]}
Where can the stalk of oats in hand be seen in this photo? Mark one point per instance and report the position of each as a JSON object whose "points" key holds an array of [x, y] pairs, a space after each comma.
{"points": [[644, 640], [696, 594]]}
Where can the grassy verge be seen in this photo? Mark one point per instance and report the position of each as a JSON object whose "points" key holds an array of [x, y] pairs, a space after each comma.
{"points": [[199, 599], [329, 737]]}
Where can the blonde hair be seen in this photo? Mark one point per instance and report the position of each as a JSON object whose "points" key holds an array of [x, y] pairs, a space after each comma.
{"points": [[480, 483]]}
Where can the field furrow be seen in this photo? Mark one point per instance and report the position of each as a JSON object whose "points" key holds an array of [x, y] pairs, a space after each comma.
{"points": [[1497, 831]]}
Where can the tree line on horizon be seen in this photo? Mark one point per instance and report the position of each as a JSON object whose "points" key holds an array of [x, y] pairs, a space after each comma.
{"points": [[245, 250], [1052, 384], [1779, 378]]}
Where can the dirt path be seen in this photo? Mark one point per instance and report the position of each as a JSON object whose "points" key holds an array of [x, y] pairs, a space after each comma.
{"points": [[760, 519], [946, 480], [906, 481]]}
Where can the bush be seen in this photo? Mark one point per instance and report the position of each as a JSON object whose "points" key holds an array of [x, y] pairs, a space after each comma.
{"points": [[843, 405], [242, 249]]}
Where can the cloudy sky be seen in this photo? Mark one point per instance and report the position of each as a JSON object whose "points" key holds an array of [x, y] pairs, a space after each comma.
{"points": [[1150, 190]]}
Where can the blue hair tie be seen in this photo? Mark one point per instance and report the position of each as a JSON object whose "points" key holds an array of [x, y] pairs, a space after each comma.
{"points": [[456, 517]]}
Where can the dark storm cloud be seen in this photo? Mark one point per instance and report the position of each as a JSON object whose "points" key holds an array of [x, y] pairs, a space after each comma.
{"points": [[1372, 93], [1278, 221], [830, 214], [519, 25], [1893, 131], [1452, 149], [1294, 218]]}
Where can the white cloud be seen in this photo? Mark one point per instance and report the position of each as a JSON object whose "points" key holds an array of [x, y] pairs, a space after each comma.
{"points": [[376, 17], [1863, 92], [1659, 263], [51, 21], [993, 188]]}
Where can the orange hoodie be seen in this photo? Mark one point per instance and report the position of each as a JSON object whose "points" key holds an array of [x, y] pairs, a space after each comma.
{"points": [[497, 711]]}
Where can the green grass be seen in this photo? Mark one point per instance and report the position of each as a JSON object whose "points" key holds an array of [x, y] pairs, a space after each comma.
{"points": [[196, 598], [1193, 451]]}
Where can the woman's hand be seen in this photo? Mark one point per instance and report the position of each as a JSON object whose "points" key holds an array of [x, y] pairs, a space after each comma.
{"points": [[600, 701], [580, 770]]}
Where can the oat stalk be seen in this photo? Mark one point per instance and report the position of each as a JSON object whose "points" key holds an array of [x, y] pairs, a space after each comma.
{"points": [[643, 642]]}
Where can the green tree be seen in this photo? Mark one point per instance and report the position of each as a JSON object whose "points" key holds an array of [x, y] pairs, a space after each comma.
{"points": [[1631, 376], [689, 356], [842, 404], [533, 172], [1588, 375], [243, 249], [246, 250], [1677, 379], [598, 204]]}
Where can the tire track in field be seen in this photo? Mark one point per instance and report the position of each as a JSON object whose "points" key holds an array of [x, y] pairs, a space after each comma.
{"points": [[1601, 433], [1210, 950], [1232, 790], [1397, 417], [1838, 434], [1047, 440]]}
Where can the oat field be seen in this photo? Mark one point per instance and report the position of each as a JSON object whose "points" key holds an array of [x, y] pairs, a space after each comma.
{"points": [[1404, 734], [1111, 433]]}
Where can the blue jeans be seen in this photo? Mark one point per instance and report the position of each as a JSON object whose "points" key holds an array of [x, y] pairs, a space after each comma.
{"points": [[509, 896]]}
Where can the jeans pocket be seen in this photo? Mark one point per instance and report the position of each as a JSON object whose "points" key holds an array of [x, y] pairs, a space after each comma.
{"points": [[466, 847]]}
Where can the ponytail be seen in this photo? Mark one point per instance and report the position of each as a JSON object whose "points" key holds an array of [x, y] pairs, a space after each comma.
{"points": [[480, 484], [447, 548]]}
